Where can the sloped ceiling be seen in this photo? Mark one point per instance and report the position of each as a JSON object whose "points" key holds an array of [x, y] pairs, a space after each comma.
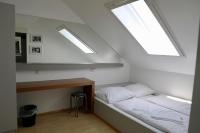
{"points": [[53, 9], [44, 16], [181, 15]]}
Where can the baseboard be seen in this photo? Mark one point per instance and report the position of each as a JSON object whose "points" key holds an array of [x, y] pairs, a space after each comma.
{"points": [[54, 111], [12, 131]]}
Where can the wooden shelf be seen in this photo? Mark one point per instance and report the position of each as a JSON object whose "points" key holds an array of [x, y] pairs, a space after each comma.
{"points": [[41, 66]]}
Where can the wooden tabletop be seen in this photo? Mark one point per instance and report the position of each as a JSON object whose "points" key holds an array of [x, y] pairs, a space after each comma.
{"points": [[52, 84]]}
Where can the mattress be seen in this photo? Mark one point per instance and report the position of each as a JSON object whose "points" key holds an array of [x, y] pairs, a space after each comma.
{"points": [[157, 116], [165, 101]]}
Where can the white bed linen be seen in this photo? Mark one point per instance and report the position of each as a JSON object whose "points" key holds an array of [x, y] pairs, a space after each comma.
{"points": [[111, 106], [162, 100], [114, 94], [140, 90], [167, 120]]}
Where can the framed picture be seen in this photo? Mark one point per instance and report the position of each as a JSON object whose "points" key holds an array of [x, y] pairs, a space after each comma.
{"points": [[36, 38], [20, 47], [35, 50]]}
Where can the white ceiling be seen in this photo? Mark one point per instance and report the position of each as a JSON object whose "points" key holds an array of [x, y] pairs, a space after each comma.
{"points": [[181, 15], [54, 9]]}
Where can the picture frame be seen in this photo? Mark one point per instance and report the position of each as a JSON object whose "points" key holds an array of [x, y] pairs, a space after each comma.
{"points": [[21, 47], [18, 46], [35, 50], [36, 38]]}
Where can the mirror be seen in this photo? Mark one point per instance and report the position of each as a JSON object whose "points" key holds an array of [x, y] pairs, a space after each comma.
{"points": [[46, 45]]}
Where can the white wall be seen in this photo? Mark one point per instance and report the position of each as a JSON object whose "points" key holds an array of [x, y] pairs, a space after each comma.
{"points": [[59, 99], [8, 112], [56, 49], [176, 84], [194, 115]]}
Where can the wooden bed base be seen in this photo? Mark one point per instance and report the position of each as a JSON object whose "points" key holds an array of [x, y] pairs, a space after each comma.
{"points": [[119, 121]]}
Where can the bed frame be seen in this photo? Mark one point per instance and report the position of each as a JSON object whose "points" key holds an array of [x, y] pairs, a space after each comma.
{"points": [[121, 121]]}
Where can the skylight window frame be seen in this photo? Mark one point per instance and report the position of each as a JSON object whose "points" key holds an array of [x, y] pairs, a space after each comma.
{"points": [[157, 14], [76, 36]]}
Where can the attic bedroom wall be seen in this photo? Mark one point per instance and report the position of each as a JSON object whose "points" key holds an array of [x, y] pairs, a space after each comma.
{"points": [[52, 100], [175, 84], [59, 99]]}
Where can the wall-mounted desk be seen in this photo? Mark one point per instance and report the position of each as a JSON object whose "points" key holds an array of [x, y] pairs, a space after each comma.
{"points": [[87, 84]]}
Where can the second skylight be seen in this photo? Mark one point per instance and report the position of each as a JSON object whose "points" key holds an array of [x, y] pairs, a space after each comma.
{"points": [[143, 25], [77, 42]]}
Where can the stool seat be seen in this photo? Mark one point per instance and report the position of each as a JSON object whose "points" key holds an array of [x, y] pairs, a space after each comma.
{"points": [[78, 96]]}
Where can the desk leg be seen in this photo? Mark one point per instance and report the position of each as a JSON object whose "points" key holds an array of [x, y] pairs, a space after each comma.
{"points": [[89, 90]]}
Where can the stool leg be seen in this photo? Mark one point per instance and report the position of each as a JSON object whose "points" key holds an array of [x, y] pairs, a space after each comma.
{"points": [[76, 106], [86, 104], [71, 108]]}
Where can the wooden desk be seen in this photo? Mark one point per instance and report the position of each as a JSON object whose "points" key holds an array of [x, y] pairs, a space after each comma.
{"points": [[88, 87]]}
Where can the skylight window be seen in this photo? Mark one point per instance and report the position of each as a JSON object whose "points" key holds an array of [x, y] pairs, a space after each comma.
{"points": [[145, 28], [77, 42]]}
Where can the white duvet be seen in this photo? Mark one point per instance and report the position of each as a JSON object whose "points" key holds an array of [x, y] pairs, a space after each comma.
{"points": [[157, 116], [166, 102]]}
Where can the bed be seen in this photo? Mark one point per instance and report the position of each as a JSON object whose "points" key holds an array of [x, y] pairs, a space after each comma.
{"points": [[145, 114]]}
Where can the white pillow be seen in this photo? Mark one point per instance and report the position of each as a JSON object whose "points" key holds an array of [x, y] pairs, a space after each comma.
{"points": [[139, 90], [113, 94]]}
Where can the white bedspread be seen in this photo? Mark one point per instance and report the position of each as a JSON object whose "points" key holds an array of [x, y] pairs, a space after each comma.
{"points": [[162, 100], [162, 118]]}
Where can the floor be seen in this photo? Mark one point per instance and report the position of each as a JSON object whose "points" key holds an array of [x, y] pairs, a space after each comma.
{"points": [[63, 122]]}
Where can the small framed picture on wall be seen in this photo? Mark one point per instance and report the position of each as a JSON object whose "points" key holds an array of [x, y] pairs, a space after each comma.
{"points": [[20, 47], [35, 50], [36, 38]]}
